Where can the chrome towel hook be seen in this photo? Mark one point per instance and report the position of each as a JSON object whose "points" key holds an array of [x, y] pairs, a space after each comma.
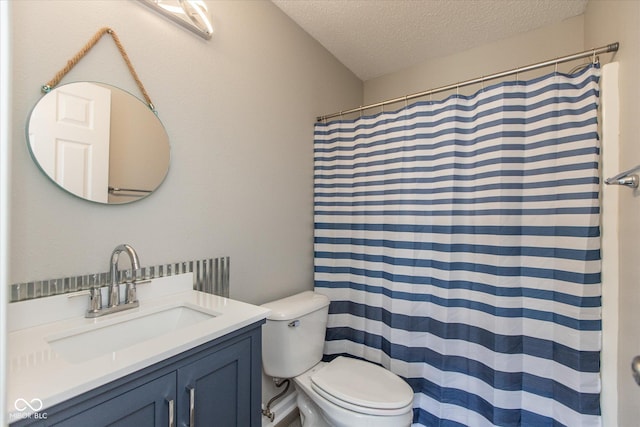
{"points": [[626, 178], [629, 181]]}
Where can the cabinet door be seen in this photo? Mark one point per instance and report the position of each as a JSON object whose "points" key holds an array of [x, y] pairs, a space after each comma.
{"points": [[216, 390], [147, 405]]}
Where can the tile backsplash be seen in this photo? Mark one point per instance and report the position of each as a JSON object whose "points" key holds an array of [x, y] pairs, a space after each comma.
{"points": [[210, 275]]}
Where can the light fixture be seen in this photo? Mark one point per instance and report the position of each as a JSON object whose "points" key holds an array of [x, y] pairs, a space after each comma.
{"points": [[191, 14]]}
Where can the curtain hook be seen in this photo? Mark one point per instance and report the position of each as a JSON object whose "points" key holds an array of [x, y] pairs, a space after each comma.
{"points": [[556, 70], [482, 83]]}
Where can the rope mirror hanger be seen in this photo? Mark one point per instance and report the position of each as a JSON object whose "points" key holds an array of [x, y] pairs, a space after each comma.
{"points": [[85, 49]]}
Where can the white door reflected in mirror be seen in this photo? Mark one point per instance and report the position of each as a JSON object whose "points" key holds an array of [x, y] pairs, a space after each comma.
{"points": [[72, 144]]}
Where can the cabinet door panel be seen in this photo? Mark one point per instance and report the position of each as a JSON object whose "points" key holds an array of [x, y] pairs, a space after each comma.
{"points": [[143, 406], [221, 388]]}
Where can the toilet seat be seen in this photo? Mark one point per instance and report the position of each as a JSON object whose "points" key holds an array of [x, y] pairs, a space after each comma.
{"points": [[362, 387]]}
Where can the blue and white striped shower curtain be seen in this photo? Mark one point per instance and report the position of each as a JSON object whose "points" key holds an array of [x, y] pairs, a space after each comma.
{"points": [[459, 244]]}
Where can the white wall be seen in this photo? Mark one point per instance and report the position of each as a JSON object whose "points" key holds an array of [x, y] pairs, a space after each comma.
{"points": [[5, 169], [539, 45], [607, 21], [239, 110]]}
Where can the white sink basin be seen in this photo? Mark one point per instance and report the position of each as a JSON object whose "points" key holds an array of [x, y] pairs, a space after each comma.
{"points": [[110, 335]]}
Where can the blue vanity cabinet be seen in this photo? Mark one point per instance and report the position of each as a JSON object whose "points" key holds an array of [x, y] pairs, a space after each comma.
{"points": [[215, 384]]}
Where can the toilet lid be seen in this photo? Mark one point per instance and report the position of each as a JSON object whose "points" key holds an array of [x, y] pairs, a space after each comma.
{"points": [[350, 382]]}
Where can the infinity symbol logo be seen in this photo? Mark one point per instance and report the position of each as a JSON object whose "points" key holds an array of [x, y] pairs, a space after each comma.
{"points": [[22, 404]]}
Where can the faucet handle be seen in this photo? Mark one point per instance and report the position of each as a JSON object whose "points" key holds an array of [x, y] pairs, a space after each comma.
{"points": [[131, 295], [95, 300]]}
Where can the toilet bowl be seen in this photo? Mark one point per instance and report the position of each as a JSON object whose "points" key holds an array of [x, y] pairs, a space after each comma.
{"points": [[345, 392], [343, 396]]}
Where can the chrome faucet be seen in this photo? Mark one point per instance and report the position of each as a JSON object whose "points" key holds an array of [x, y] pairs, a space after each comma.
{"points": [[114, 305], [114, 289]]}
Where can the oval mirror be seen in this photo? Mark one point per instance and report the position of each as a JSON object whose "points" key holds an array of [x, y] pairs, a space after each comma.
{"points": [[98, 142]]}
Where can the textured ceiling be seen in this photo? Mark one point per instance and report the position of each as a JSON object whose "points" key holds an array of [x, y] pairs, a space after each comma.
{"points": [[376, 37]]}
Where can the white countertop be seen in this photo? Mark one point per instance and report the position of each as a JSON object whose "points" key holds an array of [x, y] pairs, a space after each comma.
{"points": [[37, 374]]}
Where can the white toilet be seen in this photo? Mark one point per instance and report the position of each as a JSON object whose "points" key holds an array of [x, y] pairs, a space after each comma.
{"points": [[345, 392]]}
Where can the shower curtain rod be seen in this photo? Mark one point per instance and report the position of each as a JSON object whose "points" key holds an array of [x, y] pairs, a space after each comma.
{"points": [[613, 47]]}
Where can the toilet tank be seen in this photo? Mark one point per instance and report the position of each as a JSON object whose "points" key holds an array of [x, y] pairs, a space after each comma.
{"points": [[293, 337]]}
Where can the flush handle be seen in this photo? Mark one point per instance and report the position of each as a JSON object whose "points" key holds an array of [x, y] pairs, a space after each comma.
{"points": [[294, 324]]}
